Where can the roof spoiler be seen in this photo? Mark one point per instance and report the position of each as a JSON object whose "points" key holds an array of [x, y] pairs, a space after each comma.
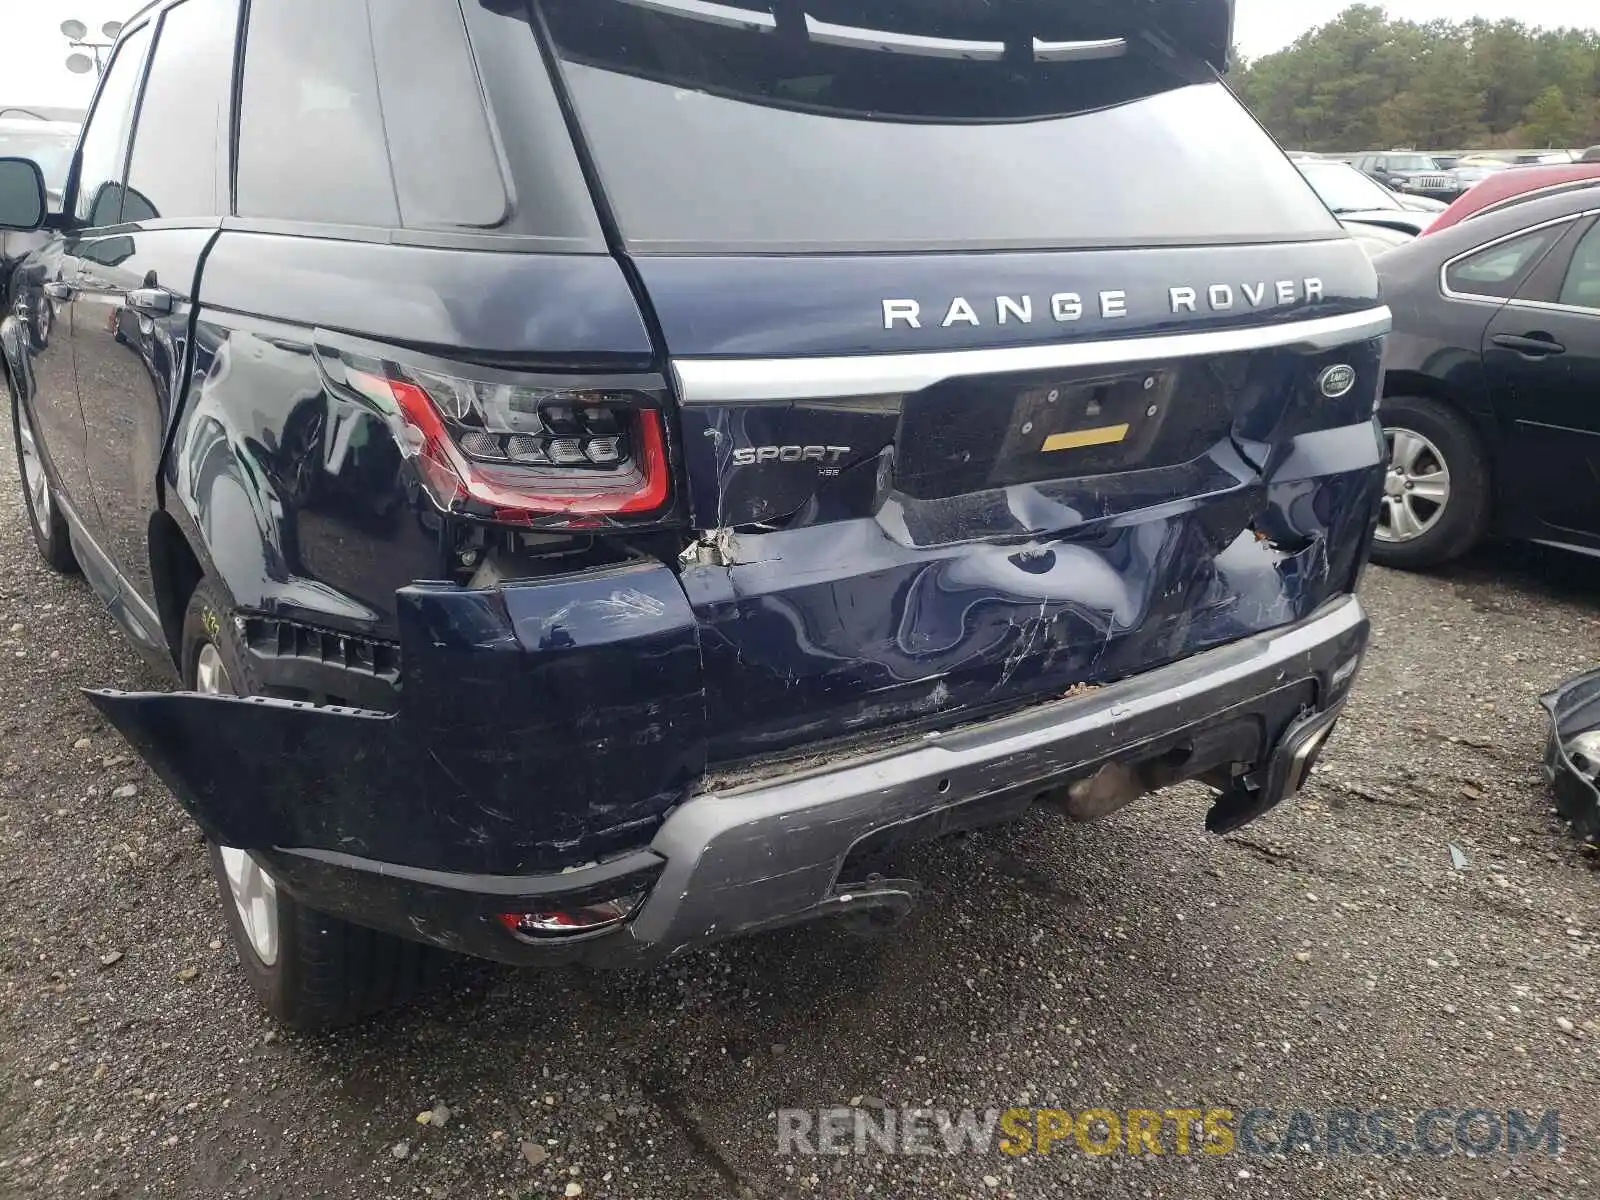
{"points": [[1201, 28]]}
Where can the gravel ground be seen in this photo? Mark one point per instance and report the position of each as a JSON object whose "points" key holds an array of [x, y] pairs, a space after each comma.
{"points": [[1327, 956]]}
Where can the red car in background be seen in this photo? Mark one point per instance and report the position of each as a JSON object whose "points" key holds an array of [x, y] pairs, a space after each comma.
{"points": [[1509, 185]]}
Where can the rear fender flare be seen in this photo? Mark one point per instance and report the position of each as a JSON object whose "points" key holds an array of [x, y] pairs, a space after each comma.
{"points": [[540, 725], [223, 513], [228, 507]]}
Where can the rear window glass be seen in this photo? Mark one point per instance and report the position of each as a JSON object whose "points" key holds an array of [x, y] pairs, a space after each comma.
{"points": [[1582, 288], [1344, 189], [888, 124]]}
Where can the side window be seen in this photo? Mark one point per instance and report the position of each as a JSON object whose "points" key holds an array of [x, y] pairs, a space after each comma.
{"points": [[1582, 289], [311, 140], [105, 141], [1498, 270], [378, 119], [180, 140], [445, 166]]}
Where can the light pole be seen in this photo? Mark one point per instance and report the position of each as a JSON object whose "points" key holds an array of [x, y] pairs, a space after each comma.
{"points": [[76, 32]]}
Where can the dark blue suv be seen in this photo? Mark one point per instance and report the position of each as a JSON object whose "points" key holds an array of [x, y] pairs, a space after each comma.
{"points": [[609, 473]]}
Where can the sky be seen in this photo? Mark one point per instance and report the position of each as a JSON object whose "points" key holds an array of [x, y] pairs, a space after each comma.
{"points": [[32, 50], [33, 53]]}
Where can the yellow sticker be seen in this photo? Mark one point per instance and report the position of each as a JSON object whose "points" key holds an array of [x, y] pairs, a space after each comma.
{"points": [[1079, 439]]}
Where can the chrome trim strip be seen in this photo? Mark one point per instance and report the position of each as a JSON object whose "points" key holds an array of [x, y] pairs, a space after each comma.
{"points": [[736, 380], [1576, 310], [1481, 298], [1079, 51], [902, 43], [712, 14]]}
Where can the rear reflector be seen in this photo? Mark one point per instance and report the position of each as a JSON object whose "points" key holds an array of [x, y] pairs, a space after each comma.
{"points": [[560, 923]]}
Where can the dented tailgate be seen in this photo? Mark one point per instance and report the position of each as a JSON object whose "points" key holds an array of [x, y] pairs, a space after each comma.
{"points": [[905, 536], [1000, 335]]}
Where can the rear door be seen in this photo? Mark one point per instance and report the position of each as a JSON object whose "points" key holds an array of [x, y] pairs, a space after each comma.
{"points": [[1012, 355], [138, 276], [1542, 356]]}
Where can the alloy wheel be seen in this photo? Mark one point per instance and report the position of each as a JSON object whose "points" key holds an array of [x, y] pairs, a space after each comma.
{"points": [[33, 473], [255, 895], [1415, 489]]}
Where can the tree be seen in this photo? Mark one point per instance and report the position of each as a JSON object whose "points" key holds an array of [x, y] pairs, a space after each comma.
{"points": [[1364, 81], [1442, 104], [1505, 62], [1550, 120]]}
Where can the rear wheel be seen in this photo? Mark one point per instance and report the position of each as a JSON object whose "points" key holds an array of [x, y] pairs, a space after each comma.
{"points": [[311, 970], [45, 519], [1436, 488]]}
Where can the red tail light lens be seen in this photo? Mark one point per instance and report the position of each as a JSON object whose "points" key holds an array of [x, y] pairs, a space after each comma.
{"points": [[539, 450]]}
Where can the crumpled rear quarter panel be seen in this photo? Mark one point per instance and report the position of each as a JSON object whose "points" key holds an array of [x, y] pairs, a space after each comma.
{"points": [[539, 724]]}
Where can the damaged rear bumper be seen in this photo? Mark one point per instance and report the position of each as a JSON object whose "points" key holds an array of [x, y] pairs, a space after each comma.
{"points": [[803, 845]]}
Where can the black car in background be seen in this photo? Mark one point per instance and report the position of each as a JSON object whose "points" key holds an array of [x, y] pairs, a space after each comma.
{"points": [[1491, 404], [1415, 174]]}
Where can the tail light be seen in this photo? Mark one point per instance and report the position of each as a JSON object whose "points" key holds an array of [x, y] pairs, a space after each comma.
{"points": [[533, 449]]}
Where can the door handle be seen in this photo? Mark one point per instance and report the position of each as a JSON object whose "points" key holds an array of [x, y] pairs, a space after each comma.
{"points": [[151, 301], [1534, 345], [57, 290]]}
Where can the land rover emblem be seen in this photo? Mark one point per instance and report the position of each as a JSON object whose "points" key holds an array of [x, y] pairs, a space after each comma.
{"points": [[1337, 381]]}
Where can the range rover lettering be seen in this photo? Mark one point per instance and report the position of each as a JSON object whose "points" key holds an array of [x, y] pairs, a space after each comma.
{"points": [[605, 475]]}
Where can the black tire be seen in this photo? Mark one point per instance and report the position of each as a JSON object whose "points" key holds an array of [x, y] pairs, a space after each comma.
{"points": [[50, 535], [1462, 520], [327, 972]]}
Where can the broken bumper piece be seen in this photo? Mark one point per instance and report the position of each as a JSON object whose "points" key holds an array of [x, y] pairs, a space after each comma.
{"points": [[1572, 754], [803, 846]]}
